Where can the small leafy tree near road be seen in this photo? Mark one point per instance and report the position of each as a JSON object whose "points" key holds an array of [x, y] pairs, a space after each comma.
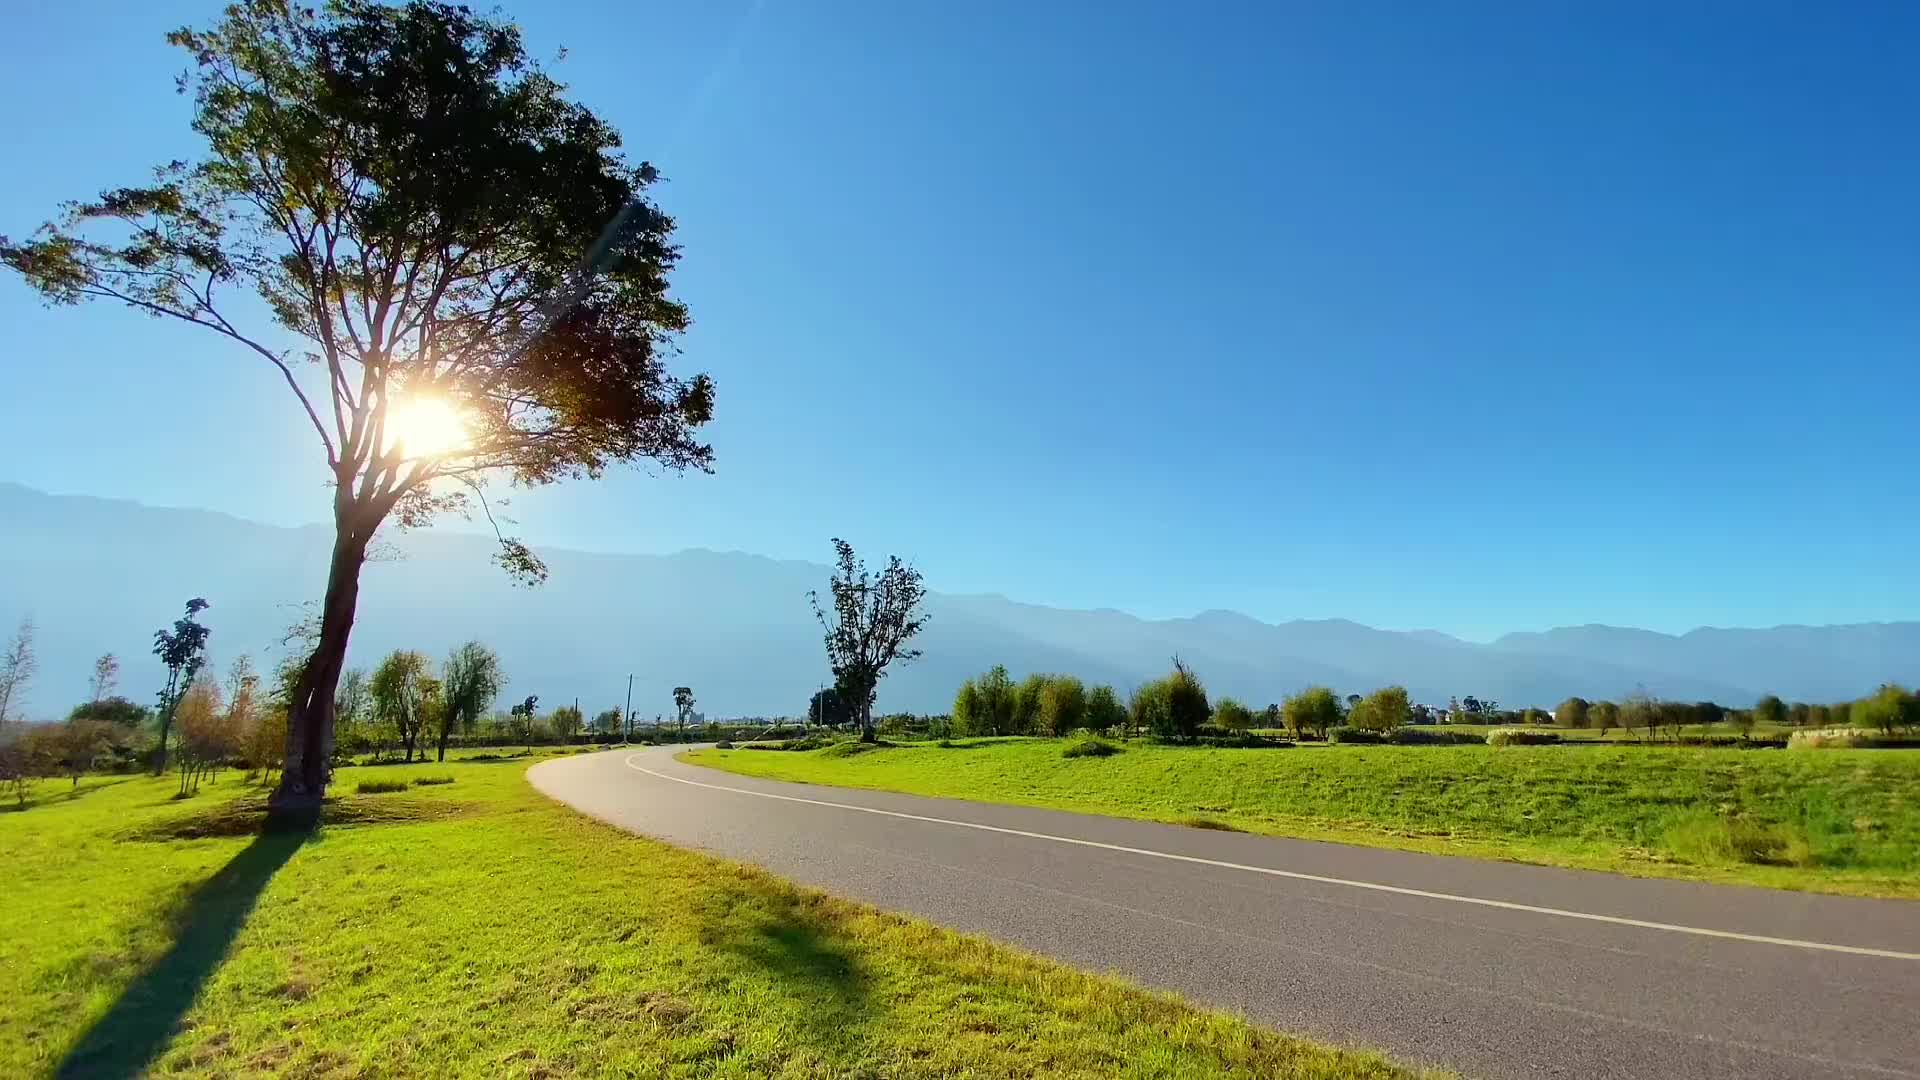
{"points": [[871, 621], [470, 682], [566, 722], [1026, 705], [183, 650], [473, 280], [1063, 705], [1174, 706], [398, 693], [17, 666], [521, 716], [1104, 711], [1314, 709], [984, 705], [606, 723], [683, 703], [827, 708]]}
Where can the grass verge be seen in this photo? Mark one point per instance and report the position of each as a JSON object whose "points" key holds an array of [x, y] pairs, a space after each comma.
{"points": [[1843, 821], [478, 929]]}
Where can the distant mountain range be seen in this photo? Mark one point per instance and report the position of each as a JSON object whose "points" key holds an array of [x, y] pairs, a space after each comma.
{"points": [[101, 575]]}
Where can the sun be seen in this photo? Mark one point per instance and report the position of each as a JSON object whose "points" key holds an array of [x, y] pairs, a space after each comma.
{"points": [[426, 427]]}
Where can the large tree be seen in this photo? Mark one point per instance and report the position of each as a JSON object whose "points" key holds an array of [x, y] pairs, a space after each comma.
{"points": [[183, 650], [871, 621], [465, 279]]}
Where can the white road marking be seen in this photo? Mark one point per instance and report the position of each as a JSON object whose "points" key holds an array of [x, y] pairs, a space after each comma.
{"points": [[1374, 886]]}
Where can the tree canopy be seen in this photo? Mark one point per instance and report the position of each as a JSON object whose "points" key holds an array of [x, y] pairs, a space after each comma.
{"points": [[462, 278]]}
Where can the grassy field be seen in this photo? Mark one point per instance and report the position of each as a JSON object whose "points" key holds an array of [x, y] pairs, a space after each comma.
{"points": [[474, 928], [1845, 821]]}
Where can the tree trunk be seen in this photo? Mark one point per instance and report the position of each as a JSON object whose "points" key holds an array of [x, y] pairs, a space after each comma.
{"points": [[309, 761]]}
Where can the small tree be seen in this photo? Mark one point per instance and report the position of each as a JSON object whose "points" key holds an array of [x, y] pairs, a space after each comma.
{"points": [[471, 681], [1230, 714], [351, 706], [871, 622], [1026, 705], [1604, 716], [1104, 711], [183, 650], [204, 734], [1742, 720], [521, 717], [1175, 706], [1314, 709], [1063, 705], [1382, 710], [565, 723], [17, 667], [827, 708], [1890, 708], [106, 677], [606, 723], [75, 745], [1640, 711], [1572, 713], [397, 693], [683, 703], [1769, 711]]}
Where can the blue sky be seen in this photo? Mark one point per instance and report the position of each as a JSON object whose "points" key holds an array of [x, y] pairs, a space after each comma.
{"points": [[1479, 317]]}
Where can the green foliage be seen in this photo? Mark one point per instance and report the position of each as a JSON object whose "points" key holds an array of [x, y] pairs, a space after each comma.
{"points": [[985, 705], [1603, 716], [1026, 705], [1382, 710], [828, 708], [1313, 710], [1063, 706], [1890, 708], [566, 722], [1087, 744], [400, 695], [112, 710], [1572, 713], [1770, 711], [1104, 710], [1232, 715]]}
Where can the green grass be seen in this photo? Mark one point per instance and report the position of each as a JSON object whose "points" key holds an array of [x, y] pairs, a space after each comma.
{"points": [[478, 929], [1844, 821]]}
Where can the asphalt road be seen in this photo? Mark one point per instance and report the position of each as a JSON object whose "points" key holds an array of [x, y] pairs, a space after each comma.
{"points": [[1494, 969]]}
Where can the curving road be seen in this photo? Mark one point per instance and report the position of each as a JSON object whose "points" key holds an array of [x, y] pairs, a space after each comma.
{"points": [[1495, 969]]}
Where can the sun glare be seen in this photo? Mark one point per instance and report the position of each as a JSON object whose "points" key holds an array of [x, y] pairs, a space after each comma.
{"points": [[426, 427]]}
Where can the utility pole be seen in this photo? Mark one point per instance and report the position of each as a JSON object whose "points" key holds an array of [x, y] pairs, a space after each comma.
{"points": [[626, 714]]}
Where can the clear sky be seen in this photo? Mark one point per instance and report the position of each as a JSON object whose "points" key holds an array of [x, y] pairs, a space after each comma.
{"points": [[1474, 316]]}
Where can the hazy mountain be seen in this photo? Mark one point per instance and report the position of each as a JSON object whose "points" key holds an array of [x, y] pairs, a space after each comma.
{"points": [[100, 575]]}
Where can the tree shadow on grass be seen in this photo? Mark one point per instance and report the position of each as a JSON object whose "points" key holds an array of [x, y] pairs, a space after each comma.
{"points": [[132, 1034], [808, 963]]}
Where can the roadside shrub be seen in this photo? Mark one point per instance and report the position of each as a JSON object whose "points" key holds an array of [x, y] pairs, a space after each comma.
{"points": [[379, 787], [1088, 745], [1350, 735], [723, 744], [853, 749], [431, 781], [811, 742], [1518, 737]]}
